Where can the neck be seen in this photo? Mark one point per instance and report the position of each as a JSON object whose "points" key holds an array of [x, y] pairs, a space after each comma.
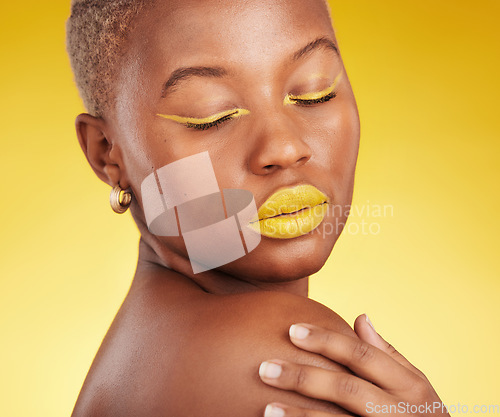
{"points": [[154, 255]]}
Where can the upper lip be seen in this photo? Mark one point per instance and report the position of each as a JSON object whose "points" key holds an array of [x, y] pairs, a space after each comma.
{"points": [[290, 200]]}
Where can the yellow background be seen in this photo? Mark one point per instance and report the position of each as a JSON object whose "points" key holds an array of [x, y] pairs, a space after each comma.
{"points": [[426, 77]]}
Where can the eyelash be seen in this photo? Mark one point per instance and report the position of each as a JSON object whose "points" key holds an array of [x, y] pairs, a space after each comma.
{"points": [[311, 102], [205, 126], [297, 101]]}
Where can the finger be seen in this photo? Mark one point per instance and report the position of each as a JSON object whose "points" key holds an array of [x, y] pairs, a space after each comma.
{"points": [[346, 390], [362, 358], [366, 331], [282, 410]]}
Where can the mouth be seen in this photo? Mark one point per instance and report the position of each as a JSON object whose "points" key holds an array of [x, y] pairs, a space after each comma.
{"points": [[291, 212]]}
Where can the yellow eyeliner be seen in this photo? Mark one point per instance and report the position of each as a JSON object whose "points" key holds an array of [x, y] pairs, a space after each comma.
{"points": [[233, 113], [290, 98], [210, 119]]}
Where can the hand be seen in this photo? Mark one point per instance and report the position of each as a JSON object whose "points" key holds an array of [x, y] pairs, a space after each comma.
{"points": [[383, 381]]}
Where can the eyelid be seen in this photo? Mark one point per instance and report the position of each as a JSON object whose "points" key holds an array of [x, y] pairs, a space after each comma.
{"points": [[291, 99], [210, 119]]}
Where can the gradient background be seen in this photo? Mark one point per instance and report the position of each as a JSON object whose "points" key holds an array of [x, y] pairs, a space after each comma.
{"points": [[426, 77]]}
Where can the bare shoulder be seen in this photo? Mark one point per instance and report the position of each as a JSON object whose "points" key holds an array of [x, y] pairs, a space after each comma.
{"points": [[174, 350]]}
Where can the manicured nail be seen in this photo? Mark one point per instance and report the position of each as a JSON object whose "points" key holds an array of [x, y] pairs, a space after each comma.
{"points": [[269, 370], [298, 332], [274, 411], [369, 321]]}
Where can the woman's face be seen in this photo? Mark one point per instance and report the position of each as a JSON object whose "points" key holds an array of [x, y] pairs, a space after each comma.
{"points": [[251, 55]]}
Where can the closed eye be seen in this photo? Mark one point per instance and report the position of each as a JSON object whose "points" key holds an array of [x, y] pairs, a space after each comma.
{"points": [[206, 122], [314, 98], [309, 102]]}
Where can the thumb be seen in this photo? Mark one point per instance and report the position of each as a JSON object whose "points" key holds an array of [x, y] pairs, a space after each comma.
{"points": [[366, 332]]}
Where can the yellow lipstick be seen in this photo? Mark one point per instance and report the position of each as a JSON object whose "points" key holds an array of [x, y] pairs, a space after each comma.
{"points": [[291, 212]]}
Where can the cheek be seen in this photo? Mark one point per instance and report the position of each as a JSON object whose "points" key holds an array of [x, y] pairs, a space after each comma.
{"points": [[149, 145], [346, 140], [335, 141], [335, 144]]}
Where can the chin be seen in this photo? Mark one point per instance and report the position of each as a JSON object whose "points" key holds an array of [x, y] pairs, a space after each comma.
{"points": [[281, 260]]}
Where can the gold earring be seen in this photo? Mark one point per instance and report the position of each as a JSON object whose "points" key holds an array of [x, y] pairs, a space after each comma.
{"points": [[114, 199]]}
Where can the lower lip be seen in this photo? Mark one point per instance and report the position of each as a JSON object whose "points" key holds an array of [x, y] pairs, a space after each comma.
{"points": [[288, 226]]}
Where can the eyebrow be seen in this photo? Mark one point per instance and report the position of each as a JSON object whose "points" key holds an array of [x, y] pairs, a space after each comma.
{"points": [[183, 73], [219, 72], [321, 42]]}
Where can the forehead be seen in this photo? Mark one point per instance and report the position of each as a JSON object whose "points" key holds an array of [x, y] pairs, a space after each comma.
{"points": [[177, 33]]}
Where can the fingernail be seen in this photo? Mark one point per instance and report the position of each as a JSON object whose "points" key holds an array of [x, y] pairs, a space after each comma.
{"points": [[269, 370], [369, 322], [298, 332], [274, 411]]}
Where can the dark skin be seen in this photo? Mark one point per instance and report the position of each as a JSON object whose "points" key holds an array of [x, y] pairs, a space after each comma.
{"points": [[185, 344]]}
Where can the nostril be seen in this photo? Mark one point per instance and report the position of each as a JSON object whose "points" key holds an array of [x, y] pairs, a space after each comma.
{"points": [[303, 160], [269, 169]]}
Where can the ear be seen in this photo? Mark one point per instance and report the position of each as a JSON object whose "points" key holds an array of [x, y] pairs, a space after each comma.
{"points": [[99, 150]]}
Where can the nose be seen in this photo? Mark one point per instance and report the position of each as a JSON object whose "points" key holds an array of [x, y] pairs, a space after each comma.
{"points": [[278, 145]]}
